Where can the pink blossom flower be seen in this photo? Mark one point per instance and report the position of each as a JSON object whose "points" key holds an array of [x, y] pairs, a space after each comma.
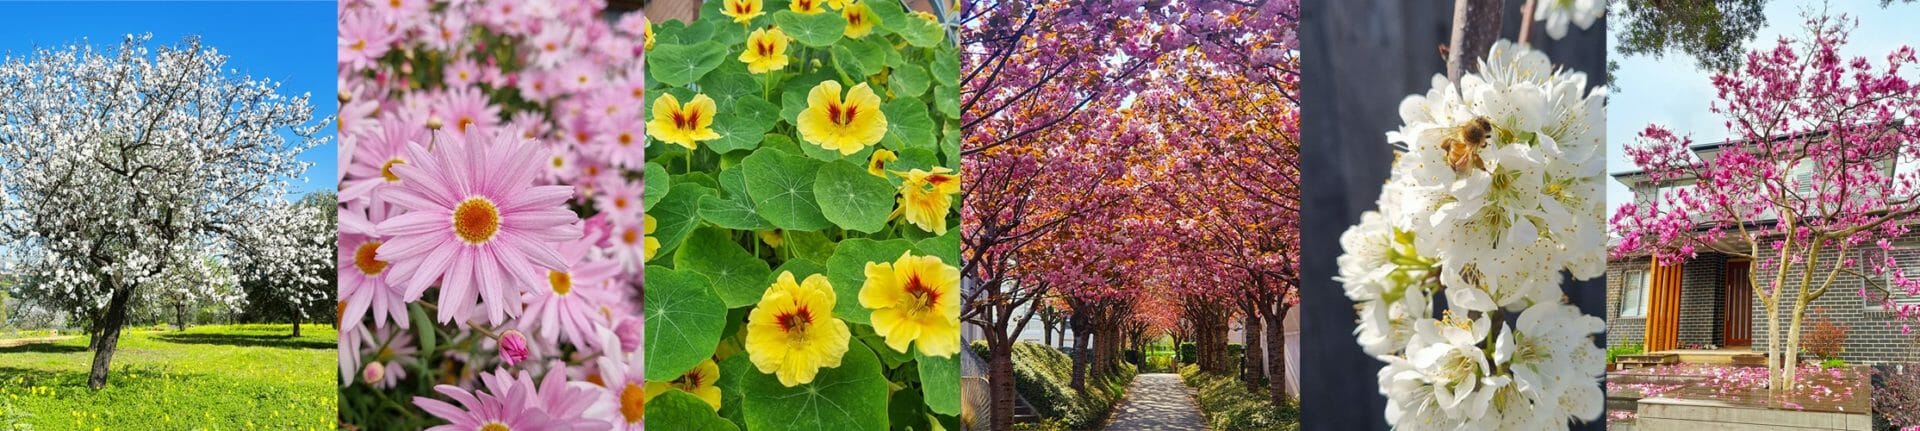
{"points": [[513, 347], [466, 109], [363, 39], [567, 307], [476, 223], [620, 199], [503, 406]]}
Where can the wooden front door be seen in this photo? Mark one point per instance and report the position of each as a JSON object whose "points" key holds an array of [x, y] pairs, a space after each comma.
{"points": [[1739, 322], [1663, 308]]}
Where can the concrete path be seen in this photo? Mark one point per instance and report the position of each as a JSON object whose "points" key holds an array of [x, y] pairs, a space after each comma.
{"points": [[1158, 402]]}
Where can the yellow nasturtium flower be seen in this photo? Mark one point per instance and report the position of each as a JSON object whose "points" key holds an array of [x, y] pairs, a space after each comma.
{"points": [[651, 245], [877, 163], [683, 125], [698, 381], [839, 4], [743, 11], [915, 299], [807, 7], [646, 29], [766, 50], [847, 125], [792, 333], [928, 17], [860, 19], [926, 196]]}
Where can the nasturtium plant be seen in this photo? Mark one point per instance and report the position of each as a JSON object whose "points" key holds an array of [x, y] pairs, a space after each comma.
{"points": [[808, 250]]}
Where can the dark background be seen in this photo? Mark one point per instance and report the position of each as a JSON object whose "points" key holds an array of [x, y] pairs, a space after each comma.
{"points": [[1359, 59]]}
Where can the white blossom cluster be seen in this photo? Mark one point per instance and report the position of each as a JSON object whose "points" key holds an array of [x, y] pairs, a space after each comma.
{"points": [[125, 167], [1498, 191]]}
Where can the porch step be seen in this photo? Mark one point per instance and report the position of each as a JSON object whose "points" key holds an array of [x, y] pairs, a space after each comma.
{"points": [[1646, 360], [1668, 414]]}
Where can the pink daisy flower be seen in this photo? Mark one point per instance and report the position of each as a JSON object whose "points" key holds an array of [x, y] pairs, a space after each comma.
{"points": [[374, 159], [504, 406], [625, 384], [620, 200], [363, 39], [348, 350], [566, 307], [364, 286], [392, 348], [477, 223], [462, 73], [560, 164], [625, 144], [466, 109], [628, 246]]}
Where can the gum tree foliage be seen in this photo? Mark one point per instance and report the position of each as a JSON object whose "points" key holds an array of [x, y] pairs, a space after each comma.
{"points": [[121, 165]]}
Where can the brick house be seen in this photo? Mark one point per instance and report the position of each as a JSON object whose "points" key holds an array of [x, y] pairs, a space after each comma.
{"points": [[1706, 303]]}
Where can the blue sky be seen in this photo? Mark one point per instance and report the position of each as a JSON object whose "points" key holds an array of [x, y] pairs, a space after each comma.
{"points": [[288, 42], [1671, 92]]}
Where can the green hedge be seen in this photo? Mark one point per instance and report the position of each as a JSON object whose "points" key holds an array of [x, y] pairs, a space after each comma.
{"points": [[1230, 406], [1043, 374], [1188, 353]]}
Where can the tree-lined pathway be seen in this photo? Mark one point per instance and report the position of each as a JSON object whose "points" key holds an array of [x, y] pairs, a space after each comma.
{"points": [[1158, 402]]}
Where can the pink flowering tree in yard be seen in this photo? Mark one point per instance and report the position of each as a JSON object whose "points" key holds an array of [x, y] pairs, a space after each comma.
{"points": [[1814, 166], [126, 169]]}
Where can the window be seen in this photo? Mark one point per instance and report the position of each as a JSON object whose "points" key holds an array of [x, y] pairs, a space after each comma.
{"points": [[1899, 296], [1633, 295]]}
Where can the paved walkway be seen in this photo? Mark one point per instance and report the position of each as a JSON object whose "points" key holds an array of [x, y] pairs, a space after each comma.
{"points": [[1158, 402]]}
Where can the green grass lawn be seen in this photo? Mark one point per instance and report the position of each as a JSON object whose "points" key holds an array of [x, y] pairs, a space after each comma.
{"points": [[230, 377]]}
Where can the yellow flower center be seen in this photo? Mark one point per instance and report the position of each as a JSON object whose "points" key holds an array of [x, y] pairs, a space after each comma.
{"points": [[476, 220], [763, 46], [686, 119], [340, 311], [620, 202], [495, 426], [367, 258], [742, 8], [841, 115], [562, 282], [559, 161], [386, 169], [360, 45], [795, 322], [854, 18], [633, 402], [626, 139], [690, 381], [630, 236], [923, 296], [463, 123]]}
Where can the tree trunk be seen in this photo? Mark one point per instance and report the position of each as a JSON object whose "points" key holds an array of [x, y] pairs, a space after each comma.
{"points": [[1277, 356], [1046, 332], [180, 315], [108, 336], [1792, 365], [1000, 381], [1080, 342], [1252, 365], [1773, 346], [296, 326]]}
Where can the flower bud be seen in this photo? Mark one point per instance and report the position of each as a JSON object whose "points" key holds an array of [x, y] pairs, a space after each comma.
{"points": [[513, 347]]}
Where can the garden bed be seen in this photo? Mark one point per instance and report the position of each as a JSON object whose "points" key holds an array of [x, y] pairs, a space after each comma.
{"points": [[1229, 405], [1682, 395]]}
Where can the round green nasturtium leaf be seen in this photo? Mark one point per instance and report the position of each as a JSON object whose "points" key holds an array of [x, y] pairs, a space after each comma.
{"points": [[783, 143], [732, 213], [781, 186], [946, 247], [918, 32], [678, 410], [656, 180], [820, 29], [847, 269], [950, 145], [738, 277], [733, 371], [850, 397], [905, 411], [744, 126], [862, 57], [683, 318], [945, 70], [810, 245], [677, 214], [909, 81], [681, 64], [801, 268], [728, 84], [947, 100], [852, 198], [939, 381], [908, 125]]}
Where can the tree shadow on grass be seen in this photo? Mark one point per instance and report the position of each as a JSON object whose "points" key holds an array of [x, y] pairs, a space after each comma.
{"points": [[48, 347], [274, 341]]}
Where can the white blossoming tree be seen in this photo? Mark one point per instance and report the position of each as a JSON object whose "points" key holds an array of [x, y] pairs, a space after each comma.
{"points": [[119, 166]]}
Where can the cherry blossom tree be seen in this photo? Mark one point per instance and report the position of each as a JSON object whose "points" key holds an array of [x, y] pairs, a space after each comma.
{"points": [[1808, 170], [120, 165]]}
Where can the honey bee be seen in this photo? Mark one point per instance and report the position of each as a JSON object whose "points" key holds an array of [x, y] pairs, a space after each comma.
{"points": [[1464, 142]]}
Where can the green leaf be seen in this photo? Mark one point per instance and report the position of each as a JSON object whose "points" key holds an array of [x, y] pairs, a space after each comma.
{"points": [[679, 65], [733, 374], [732, 213], [683, 318], [946, 247], [847, 269], [656, 180], [744, 126], [852, 198], [946, 70], [820, 29], [801, 268], [678, 410], [908, 125], [905, 411], [862, 57], [677, 214], [909, 81], [738, 277], [888, 357], [810, 245], [947, 101], [918, 32], [939, 382], [850, 397], [781, 186], [727, 85], [423, 326]]}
